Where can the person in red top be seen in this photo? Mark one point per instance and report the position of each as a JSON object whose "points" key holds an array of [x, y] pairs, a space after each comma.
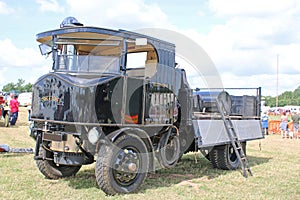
{"points": [[14, 110]]}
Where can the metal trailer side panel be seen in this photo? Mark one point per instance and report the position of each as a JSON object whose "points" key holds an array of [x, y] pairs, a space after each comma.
{"points": [[213, 132]]}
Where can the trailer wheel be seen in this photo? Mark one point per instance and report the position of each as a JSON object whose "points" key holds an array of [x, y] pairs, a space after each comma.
{"points": [[224, 157], [213, 157], [122, 167], [53, 171]]}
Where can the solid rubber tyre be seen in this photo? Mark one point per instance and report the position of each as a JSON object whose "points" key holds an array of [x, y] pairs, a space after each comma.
{"points": [[213, 157], [224, 157], [53, 171], [169, 154], [110, 161]]}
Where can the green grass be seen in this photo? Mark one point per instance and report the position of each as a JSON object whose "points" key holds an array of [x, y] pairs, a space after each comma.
{"points": [[276, 170]]}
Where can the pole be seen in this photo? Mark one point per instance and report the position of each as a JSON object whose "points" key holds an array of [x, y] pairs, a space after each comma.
{"points": [[277, 81]]}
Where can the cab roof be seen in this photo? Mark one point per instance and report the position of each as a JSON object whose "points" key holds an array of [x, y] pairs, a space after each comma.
{"points": [[102, 33]]}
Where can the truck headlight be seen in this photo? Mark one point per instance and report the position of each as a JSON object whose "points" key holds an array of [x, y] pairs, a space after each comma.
{"points": [[94, 135]]}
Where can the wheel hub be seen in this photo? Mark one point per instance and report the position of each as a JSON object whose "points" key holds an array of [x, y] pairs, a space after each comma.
{"points": [[132, 167], [126, 166], [232, 155]]}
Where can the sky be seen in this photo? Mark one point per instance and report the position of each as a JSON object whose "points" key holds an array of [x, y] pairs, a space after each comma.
{"points": [[248, 41]]}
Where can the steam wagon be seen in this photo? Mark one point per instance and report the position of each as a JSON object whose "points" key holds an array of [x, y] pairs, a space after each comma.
{"points": [[93, 106]]}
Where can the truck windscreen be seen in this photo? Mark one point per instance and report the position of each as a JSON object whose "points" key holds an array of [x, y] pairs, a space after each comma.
{"points": [[89, 63]]}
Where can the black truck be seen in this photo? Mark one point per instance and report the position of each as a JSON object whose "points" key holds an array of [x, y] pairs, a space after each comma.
{"points": [[93, 107]]}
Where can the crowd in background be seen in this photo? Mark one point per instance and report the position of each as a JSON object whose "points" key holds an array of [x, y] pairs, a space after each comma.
{"points": [[288, 124], [11, 100]]}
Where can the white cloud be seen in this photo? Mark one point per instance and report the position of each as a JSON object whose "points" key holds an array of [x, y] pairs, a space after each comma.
{"points": [[26, 63], [128, 14], [2, 75], [268, 82], [50, 5], [245, 46], [288, 59], [10, 55], [250, 8], [5, 9], [240, 44], [201, 13]]}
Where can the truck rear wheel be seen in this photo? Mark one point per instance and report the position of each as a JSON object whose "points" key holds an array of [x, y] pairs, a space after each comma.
{"points": [[169, 153], [224, 157], [122, 167], [53, 171]]}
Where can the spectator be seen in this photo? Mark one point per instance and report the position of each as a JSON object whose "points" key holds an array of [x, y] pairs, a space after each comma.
{"points": [[2, 101], [8, 97], [284, 125], [295, 118], [264, 123], [14, 110], [29, 111]]}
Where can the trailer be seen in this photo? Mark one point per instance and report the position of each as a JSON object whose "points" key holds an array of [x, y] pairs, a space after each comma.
{"points": [[94, 107]]}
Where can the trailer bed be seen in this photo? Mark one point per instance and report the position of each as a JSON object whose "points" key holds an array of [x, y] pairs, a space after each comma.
{"points": [[213, 132]]}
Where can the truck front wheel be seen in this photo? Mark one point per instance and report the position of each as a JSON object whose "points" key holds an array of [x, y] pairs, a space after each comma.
{"points": [[122, 166], [53, 171]]}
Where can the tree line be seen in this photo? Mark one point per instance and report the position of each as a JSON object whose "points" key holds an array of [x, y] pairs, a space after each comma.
{"points": [[286, 98], [18, 87]]}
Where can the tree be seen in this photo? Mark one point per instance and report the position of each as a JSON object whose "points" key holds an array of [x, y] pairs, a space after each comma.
{"points": [[286, 98], [28, 87], [9, 87], [18, 87]]}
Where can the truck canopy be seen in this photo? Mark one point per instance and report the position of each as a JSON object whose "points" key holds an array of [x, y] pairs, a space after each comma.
{"points": [[92, 51], [106, 42]]}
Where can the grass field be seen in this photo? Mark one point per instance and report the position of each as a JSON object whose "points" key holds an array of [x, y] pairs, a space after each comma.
{"points": [[275, 166]]}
